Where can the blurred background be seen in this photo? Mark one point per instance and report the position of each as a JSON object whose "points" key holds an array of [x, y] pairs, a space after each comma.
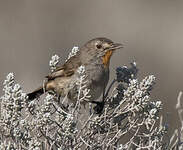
{"points": [[31, 31]]}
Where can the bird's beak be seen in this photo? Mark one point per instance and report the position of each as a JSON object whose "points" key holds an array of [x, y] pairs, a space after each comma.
{"points": [[115, 46]]}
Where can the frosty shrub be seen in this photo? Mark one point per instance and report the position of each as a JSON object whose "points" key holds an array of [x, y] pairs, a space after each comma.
{"points": [[126, 117]]}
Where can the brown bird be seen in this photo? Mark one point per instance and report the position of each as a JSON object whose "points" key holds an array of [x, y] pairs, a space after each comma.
{"points": [[95, 56]]}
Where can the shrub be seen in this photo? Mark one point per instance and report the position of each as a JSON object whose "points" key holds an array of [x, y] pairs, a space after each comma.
{"points": [[129, 119]]}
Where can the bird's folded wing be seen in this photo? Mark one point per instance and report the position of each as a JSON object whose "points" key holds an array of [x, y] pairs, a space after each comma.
{"points": [[66, 70]]}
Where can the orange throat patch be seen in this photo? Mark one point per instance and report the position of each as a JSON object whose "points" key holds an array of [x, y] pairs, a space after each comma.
{"points": [[106, 58]]}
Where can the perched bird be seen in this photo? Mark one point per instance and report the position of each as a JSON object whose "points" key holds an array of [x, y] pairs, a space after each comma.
{"points": [[95, 57]]}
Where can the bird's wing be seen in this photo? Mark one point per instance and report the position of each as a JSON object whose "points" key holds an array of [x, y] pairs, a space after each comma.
{"points": [[66, 69]]}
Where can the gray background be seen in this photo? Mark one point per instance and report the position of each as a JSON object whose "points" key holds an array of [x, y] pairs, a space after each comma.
{"points": [[31, 31]]}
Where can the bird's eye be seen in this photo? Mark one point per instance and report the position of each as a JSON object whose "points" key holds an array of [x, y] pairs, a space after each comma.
{"points": [[99, 46]]}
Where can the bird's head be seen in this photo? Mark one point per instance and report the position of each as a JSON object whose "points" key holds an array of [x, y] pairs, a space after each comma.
{"points": [[101, 48]]}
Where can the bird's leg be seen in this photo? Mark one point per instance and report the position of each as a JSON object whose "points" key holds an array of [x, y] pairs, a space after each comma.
{"points": [[58, 97]]}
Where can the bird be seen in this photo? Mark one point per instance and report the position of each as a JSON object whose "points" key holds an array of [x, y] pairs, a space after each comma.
{"points": [[95, 56]]}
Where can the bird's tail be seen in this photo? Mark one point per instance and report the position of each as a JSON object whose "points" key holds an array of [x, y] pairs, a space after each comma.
{"points": [[35, 94]]}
